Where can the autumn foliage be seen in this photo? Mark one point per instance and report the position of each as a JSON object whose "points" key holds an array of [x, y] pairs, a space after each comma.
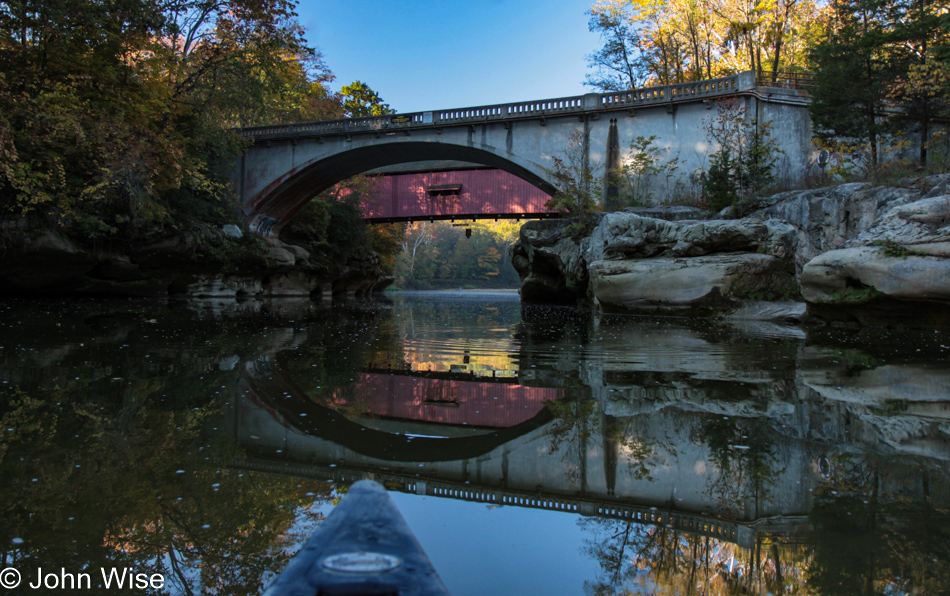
{"points": [[116, 115]]}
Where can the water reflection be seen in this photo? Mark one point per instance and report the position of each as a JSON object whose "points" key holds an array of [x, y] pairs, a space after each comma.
{"points": [[700, 457]]}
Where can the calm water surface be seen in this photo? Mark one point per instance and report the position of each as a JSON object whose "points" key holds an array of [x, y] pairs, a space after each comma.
{"points": [[533, 450]]}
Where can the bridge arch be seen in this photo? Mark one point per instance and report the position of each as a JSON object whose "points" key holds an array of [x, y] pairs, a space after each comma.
{"points": [[272, 207], [288, 164]]}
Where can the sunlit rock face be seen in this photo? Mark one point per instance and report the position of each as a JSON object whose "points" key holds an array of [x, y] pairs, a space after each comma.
{"points": [[900, 263], [827, 218], [632, 263], [855, 253]]}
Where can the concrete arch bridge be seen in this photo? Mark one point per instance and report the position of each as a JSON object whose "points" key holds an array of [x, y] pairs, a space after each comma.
{"points": [[288, 165]]}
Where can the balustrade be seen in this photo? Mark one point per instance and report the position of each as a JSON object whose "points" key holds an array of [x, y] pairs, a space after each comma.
{"points": [[634, 98]]}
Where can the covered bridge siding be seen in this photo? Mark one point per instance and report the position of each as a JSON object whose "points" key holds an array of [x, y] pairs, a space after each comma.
{"points": [[481, 404], [458, 194]]}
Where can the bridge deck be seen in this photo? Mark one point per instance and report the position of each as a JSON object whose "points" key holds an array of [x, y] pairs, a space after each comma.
{"points": [[740, 533], [579, 104]]}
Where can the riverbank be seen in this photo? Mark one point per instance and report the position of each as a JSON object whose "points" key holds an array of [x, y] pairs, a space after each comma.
{"points": [[852, 253], [204, 260]]}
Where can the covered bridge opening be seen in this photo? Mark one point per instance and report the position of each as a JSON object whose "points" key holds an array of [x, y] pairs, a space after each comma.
{"points": [[277, 204], [451, 190]]}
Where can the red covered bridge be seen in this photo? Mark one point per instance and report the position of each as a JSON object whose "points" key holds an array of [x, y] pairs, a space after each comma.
{"points": [[466, 192]]}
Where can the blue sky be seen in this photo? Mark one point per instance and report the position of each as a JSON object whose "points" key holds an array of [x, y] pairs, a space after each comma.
{"points": [[425, 54]]}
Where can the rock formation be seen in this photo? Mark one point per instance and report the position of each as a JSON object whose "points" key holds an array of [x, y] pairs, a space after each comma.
{"points": [[852, 252], [206, 262]]}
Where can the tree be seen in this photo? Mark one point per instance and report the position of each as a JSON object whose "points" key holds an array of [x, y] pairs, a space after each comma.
{"points": [[113, 111], [386, 240], [920, 47], [642, 167], [924, 94], [333, 222], [661, 42], [851, 70], [579, 190], [441, 255], [419, 235], [745, 157], [617, 65], [359, 100]]}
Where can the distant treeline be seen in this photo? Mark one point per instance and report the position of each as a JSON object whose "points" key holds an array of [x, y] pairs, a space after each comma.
{"points": [[440, 255]]}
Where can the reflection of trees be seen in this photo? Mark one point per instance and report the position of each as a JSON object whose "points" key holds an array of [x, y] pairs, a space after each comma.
{"points": [[881, 528], [578, 421], [570, 432], [328, 362], [667, 561], [743, 451], [87, 485]]}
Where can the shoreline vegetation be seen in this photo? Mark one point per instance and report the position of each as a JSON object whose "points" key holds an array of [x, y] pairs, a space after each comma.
{"points": [[113, 124]]}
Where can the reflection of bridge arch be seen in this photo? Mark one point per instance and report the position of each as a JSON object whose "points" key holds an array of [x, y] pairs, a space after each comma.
{"points": [[289, 404]]}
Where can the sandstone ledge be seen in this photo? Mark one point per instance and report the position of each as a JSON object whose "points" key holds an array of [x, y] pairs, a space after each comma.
{"points": [[854, 253]]}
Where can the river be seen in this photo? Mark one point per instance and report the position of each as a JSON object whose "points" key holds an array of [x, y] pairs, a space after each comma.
{"points": [[532, 449]]}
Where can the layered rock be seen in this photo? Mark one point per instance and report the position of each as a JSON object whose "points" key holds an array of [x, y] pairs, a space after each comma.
{"points": [[634, 263], [899, 268], [853, 252], [206, 262]]}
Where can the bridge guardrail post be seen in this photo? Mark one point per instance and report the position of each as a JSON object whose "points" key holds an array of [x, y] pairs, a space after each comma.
{"points": [[591, 101], [746, 81]]}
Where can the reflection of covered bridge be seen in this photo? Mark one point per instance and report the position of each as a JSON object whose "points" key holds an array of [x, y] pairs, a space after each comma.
{"points": [[509, 459], [446, 399], [288, 165]]}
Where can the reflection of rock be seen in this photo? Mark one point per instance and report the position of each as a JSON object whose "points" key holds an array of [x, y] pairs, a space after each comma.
{"points": [[756, 318], [833, 395], [895, 408], [880, 386], [230, 307], [214, 286], [229, 362]]}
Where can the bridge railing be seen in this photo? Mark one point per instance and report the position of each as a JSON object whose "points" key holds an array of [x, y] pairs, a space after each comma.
{"points": [[579, 104], [669, 93], [741, 533], [784, 79]]}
